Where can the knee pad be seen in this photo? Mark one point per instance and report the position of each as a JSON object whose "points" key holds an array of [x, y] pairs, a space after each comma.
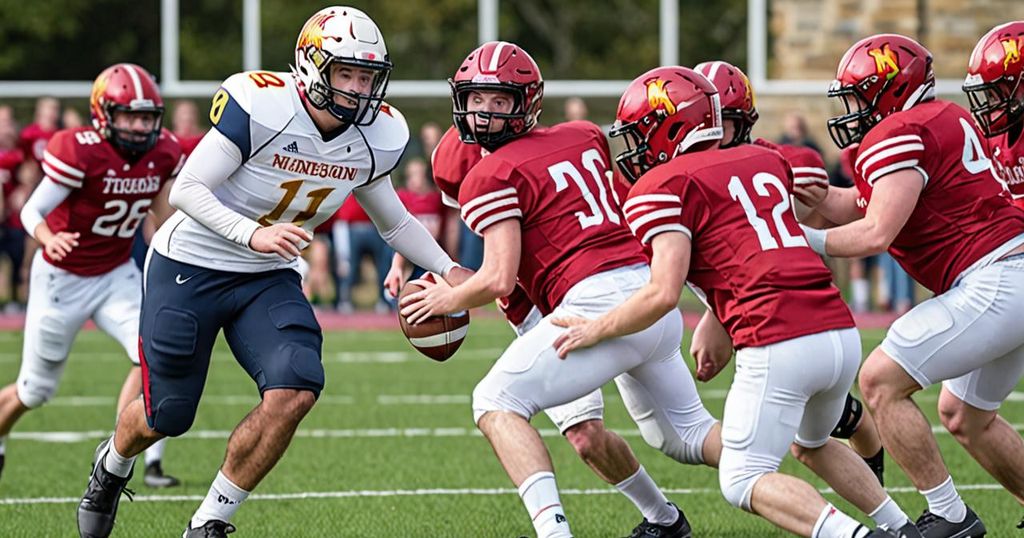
{"points": [[738, 484], [296, 365], [685, 447], [172, 416], [850, 420], [35, 390], [488, 397]]}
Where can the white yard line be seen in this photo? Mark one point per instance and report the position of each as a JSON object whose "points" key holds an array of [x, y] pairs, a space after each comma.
{"points": [[218, 399], [343, 357], [356, 433], [476, 492]]}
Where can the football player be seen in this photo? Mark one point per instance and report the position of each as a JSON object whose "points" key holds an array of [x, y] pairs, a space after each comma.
{"points": [[285, 152], [582, 421], [544, 202], [996, 94], [99, 184], [810, 182], [924, 191], [722, 219]]}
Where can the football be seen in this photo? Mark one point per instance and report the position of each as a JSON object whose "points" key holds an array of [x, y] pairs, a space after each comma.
{"points": [[437, 337]]}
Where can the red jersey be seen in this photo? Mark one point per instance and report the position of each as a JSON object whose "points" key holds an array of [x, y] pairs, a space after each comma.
{"points": [[450, 163], [188, 143], [555, 181], [110, 195], [426, 207], [33, 139], [961, 215], [351, 211], [1008, 164], [807, 165], [10, 161], [749, 258]]}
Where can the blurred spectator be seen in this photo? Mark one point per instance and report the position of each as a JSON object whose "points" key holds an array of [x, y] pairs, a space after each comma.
{"points": [[361, 239], [7, 115], [12, 235], [575, 109], [34, 137], [318, 284], [71, 118], [423, 200], [795, 132], [185, 125], [430, 136]]}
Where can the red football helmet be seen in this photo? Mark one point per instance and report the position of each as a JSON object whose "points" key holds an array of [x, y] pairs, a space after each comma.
{"points": [[497, 66], [736, 96], [994, 75], [130, 88], [878, 76], [663, 113]]}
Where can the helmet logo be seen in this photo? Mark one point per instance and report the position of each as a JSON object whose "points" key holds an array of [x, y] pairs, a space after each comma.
{"points": [[750, 90], [885, 61], [313, 32], [1012, 48], [99, 88], [658, 98]]}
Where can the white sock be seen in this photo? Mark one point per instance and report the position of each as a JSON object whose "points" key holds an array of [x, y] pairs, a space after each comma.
{"points": [[651, 502], [889, 515], [945, 502], [861, 289], [540, 496], [115, 463], [834, 524], [221, 502], [155, 452]]}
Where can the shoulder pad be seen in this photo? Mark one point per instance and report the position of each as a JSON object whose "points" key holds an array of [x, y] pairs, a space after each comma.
{"points": [[387, 138], [252, 106]]}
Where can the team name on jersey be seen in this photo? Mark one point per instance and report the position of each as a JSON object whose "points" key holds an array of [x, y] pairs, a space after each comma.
{"points": [[294, 165], [1012, 175], [131, 185]]}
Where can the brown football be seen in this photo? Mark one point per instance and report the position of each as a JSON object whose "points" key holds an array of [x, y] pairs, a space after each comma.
{"points": [[437, 337]]}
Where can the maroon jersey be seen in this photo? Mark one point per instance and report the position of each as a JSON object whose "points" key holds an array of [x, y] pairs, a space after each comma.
{"points": [[555, 181], [749, 258], [110, 196], [1008, 163], [807, 165], [961, 215], [33, 140], [426, 207], [450, 163], [10, 161], [188, 143]]}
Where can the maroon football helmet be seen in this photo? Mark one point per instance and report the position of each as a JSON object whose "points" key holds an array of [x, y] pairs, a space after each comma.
{"points": [[663, 113], [993, 83], [130, 88], [878, 76], [736, 96], [497, 66]]}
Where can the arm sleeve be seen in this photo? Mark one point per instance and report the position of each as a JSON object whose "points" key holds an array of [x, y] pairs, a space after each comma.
{"points": [[399, 229], [211, 163], [47, 196]]}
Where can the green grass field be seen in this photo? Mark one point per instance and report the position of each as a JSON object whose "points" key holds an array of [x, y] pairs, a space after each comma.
{"points": [[390, 450]]}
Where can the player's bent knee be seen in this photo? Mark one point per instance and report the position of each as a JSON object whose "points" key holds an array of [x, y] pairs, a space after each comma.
{"points": [[587, 438], [738, 485], [34, 391], [488, 397], [297, 365], [962, 420], [173, 416], [848, 423], [290, 405], [685, 447]]}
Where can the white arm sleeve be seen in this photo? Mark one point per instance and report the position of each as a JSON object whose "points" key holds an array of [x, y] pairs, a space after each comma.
{"points": [[210, 164], [47, 196], [400, 229]]}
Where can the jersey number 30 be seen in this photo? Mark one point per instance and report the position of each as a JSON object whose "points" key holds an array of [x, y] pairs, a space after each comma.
{"points": [[560, 172]]}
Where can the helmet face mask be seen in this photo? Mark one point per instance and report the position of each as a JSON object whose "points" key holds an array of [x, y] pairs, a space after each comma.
{"points": [[993, 106], [851, 127], [128, 139], [335, 38], [994, 79], [636, 160], [475, 126]]}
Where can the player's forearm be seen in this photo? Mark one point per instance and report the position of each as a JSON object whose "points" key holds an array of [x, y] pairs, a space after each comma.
{"points": [[481, 289], [840, 205], [47, 196], [649, 304], [855, 240]]}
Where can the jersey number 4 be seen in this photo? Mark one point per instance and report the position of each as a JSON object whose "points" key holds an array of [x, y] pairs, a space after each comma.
{"points": [[594, 164], [123, 220], [763, 180]]}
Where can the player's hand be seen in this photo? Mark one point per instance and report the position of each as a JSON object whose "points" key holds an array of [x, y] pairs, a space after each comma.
{"points": [[811, 193], [711, 349], [284, 239], [437, 299], [581, 333], [395, 278], [61, 244]]}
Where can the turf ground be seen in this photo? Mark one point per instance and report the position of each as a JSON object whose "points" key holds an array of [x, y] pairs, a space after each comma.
{"points": [[390, 450]]}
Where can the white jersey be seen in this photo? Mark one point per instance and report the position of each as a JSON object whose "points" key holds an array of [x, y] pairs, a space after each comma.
{"points": [[290, 171]]}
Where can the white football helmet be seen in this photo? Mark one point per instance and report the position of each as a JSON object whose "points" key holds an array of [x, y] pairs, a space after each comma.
{"points": [[348, 36]]}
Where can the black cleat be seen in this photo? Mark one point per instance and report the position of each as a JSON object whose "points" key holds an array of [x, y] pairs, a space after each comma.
{"points": [[907, 531], [1019, 525], [155, 477], [679, 529], [877, 465], [211, 529], [933, 526], [98, 508]]}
